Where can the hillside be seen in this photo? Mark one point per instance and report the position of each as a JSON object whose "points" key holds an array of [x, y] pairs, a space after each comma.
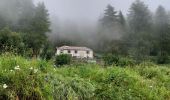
{"points": [[27, 79]]}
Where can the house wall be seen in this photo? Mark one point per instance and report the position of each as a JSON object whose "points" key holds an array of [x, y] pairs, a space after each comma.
{"points": [[79, 54]]}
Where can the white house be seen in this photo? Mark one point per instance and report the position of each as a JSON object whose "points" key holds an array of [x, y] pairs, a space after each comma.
{"points": [[77, 52]]}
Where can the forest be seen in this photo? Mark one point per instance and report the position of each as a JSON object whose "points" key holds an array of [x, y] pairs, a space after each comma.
{"points": [[141, 35], [133, 51]]}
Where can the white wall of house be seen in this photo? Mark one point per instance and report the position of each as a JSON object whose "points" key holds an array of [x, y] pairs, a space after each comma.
{"points": [[77, 53]]}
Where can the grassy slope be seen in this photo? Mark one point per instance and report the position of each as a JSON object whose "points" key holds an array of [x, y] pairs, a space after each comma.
{"points": [[146, 82]]}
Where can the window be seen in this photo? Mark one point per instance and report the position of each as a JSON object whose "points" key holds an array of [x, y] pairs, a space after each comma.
{"points": [[61, 51], [75, 51], [69, 51], [88, 52]]}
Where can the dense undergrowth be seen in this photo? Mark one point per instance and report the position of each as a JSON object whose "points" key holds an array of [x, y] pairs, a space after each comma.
{"points": [[33, 79]]}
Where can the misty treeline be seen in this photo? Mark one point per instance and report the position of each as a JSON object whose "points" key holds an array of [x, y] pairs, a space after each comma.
{"points": [[23, 27], [141, 35], [144, 35]]}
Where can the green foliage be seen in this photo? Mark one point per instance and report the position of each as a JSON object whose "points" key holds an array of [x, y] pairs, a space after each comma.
{"points": [[33, 79], [124, 62], [29, 19], [110, 59], [22, 78], [35, 37], [140, 82], [62, 59], [47, 51], [10, 41], [72, 88], [163, 58]]}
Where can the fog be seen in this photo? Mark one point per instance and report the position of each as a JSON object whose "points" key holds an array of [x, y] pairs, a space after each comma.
{"points": [[83, 22], [80, 17], [92, 9]]}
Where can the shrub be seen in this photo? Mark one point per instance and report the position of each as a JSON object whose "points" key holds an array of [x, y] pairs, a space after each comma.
{"points": [[62, 59], [126, 62], [110, 59], [47, 51], [163, 58], [21, 79], [10, 41]]}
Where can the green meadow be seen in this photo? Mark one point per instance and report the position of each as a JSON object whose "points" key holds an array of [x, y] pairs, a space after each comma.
{"points": [[35, 79]]}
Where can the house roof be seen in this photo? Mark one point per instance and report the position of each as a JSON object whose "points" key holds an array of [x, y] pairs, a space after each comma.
{"points": [[74, 48]]}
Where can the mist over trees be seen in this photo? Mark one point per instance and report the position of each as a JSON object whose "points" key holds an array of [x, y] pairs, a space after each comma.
{"points": [[28, 20], [141, 34]]}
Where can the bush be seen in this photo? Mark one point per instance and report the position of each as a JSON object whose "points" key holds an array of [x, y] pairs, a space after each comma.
{"points": [[163, 58], [10, 41], [47, 51], [126, 62], [62, 59], [110, 59], [14, 76]]}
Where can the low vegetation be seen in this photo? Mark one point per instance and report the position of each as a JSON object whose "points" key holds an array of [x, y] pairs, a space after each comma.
{"points": [[28, 79], [63, 59]]}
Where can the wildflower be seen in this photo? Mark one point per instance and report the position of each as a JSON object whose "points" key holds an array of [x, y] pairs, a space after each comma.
{"points": [[35, 70], [5, 86], [31, 68], [11, 70], [17, 68], [150, 86]]}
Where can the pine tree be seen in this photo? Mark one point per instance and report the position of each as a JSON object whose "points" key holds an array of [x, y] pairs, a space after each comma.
{"points": [[110, 17], [40, 24], [108, 29], [139, 17], [162, 31], [122, 20], [139, 35]]}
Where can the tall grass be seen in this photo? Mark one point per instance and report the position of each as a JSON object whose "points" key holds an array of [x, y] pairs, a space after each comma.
{"points": [[32, 79]]}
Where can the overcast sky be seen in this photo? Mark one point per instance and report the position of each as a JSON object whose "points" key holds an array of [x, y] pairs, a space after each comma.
{"points": [[93, 9]]}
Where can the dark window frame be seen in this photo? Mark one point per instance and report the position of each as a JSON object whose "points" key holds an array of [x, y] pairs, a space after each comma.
{"points": [[61, 51], [69, 51]]}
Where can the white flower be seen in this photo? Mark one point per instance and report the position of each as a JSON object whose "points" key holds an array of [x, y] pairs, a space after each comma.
{"points": [[5, 86], [31, 68], [150, 86], [35, 70], [17, 68]]}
